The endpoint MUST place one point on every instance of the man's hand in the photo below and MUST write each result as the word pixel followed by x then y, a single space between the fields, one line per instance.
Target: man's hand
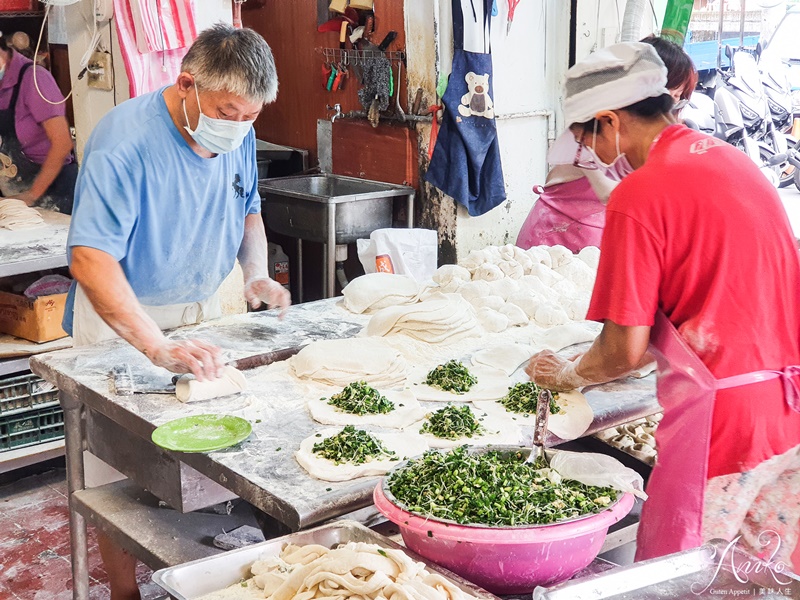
pixel 268 291
pixel 200 358
pixel 554 372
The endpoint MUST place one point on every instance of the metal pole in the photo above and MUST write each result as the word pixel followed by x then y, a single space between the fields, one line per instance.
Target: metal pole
pixel 330 254
pixel 299 270
pixel 73 434
pixel 719 33
pixel 741 24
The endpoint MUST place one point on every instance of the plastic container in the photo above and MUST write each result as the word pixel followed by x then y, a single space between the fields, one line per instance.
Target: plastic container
pixel 21 393
pixel 506 560
pixel 32 427
pixel 278 264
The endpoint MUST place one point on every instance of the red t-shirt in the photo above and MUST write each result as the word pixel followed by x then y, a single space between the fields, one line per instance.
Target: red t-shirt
pixel 700 233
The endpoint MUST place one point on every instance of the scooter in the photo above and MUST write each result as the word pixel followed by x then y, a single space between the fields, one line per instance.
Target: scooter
pixel 775 79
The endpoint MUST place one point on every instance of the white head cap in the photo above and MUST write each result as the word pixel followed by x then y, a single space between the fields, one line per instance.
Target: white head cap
pixel 609 79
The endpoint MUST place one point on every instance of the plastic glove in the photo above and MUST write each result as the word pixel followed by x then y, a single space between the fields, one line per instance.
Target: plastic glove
pixel 269 291
pixel 200 358
pixel 555 373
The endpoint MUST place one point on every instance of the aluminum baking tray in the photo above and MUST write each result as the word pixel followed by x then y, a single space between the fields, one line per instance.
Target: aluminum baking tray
pixel 716 569
pixel 194 579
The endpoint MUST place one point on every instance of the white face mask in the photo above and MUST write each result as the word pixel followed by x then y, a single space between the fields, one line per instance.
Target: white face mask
pixel 616 170
pixel 217 135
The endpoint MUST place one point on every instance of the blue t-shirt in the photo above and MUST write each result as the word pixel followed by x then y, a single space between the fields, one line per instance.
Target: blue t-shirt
pixel 173 220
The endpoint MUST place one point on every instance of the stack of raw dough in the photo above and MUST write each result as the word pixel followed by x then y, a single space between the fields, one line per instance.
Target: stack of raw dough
pixel 375 291
pixel 341 362
pixel 441 318
pixel 15 214
pixel 353 570
pixel 508 286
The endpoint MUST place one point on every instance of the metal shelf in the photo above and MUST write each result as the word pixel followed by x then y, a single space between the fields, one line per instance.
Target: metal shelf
pixel 30 455
pixel 13 365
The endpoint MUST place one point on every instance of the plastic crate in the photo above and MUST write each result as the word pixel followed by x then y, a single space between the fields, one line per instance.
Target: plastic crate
pixel 22 393
pixel 32 427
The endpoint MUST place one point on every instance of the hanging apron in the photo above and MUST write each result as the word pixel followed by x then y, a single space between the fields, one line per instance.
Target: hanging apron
pixel 89 328
pixel 569 214
pixel 466 160
pixel 17 171
pixel 672 516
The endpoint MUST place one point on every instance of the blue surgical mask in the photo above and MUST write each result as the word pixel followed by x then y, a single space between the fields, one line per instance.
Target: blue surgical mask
pixel 217 135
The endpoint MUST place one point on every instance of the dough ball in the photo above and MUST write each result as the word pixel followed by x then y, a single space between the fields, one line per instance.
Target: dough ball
pixel 491 254
pixel 511 268
pixel 488 272
pixel 451 287
pixel 447 273
pixel 474 260
pixel 576 308
pixel 492 320
pixel 579 273
pixel 550 315
pixel 493 302
pixel 591 256
pixel 516 316
pixel 560 255
pixel 540 255
pixel 507 252
pixel 527 301
pixel 547 275
pixel 534 284
pixel 475 289
pixel 504 287
pixel 565 288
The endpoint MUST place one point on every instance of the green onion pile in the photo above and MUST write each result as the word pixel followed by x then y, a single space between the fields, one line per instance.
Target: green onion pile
pixel 453 423
pixel 451 377
pixel 354 446
pixel 494 489
pixel 358 398
pixel 522 398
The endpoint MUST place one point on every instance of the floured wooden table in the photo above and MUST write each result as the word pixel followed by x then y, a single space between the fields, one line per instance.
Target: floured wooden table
pixel 262 469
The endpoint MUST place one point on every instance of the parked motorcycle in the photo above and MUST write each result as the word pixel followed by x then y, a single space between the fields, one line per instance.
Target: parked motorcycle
pixel 775 79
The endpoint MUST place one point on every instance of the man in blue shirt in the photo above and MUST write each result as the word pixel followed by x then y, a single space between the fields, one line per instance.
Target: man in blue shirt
pixel 165 202
pixel 167 199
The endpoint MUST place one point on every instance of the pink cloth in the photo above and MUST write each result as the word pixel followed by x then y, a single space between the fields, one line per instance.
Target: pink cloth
pixel 153 38
pixel 32 111
pixel 569 214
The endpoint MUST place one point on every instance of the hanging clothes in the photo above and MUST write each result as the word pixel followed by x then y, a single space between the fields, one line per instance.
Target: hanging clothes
pixel 153 37
pixel 466 160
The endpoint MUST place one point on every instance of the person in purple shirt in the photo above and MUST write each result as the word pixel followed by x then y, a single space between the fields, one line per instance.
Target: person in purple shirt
pixel 37 164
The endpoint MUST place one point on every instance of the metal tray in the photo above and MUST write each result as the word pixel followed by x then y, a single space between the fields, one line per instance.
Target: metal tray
pixel 197 578
pixel 704 572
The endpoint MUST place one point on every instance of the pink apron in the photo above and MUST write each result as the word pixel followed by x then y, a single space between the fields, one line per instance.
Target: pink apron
pixel 569 214
pixel 672 516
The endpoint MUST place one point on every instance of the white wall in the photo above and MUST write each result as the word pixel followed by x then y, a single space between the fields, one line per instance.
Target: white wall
pixel 529 66
pixel 599 23
pixel 90 104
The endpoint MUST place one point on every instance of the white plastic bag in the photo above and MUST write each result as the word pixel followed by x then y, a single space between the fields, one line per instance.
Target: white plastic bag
pixel 411 252
pixel 597 469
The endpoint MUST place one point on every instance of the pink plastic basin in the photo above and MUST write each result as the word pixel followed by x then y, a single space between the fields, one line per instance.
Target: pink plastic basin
pixel 507 560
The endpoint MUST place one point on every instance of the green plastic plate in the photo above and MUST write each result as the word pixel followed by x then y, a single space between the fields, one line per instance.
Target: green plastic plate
pixel 202 433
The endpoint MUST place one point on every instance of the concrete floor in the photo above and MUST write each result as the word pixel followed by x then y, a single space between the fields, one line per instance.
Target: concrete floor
pixel 34 544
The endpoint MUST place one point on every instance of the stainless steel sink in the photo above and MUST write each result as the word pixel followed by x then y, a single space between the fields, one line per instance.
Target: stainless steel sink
pixel 331 209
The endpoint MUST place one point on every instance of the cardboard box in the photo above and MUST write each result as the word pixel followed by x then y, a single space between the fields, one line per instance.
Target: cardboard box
pixel 35 320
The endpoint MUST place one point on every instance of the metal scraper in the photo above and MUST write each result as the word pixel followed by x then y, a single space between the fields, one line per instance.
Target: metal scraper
pixel 127 383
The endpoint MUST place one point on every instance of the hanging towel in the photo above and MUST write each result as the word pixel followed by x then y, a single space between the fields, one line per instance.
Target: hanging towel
pixel 155 67
pixel 162 24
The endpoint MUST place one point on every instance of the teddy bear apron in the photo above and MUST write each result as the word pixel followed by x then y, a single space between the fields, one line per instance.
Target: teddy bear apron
pixel 466 159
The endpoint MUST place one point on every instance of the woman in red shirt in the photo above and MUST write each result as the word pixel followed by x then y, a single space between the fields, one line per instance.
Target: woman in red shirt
pixel 697 262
